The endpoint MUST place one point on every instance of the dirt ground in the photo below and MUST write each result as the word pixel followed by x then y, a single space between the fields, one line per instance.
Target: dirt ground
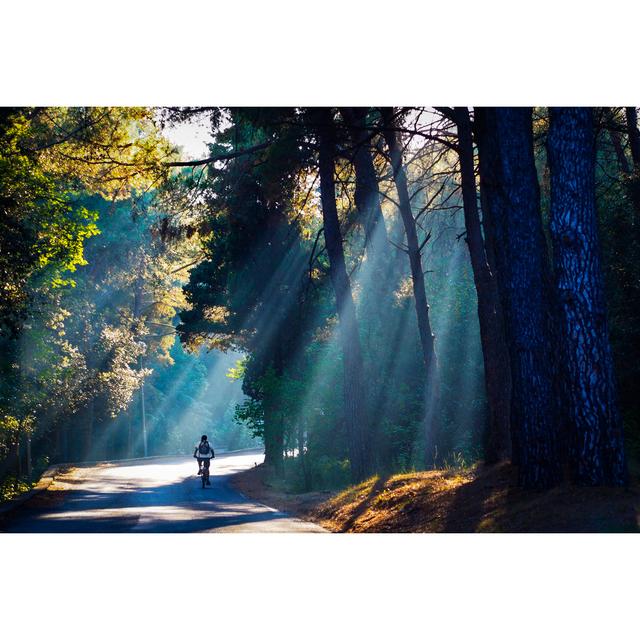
pixel 475 500
pixel 254 484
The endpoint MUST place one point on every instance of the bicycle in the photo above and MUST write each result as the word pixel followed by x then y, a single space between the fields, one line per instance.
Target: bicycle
pixel 205 473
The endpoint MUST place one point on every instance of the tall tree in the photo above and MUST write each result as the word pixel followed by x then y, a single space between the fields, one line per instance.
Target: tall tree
pixel 634 136
pixel 512 200
pixel 414 251
pixel 355 409
pixel 597 447
pixel 494 347
pixel 244 295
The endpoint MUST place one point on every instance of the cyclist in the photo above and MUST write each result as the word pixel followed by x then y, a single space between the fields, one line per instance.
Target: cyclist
pixel 204 453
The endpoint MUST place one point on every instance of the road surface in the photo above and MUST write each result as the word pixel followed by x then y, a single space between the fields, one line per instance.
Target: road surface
pixel 159 495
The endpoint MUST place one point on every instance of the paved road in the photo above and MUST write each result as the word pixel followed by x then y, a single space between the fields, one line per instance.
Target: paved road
pixel 161 495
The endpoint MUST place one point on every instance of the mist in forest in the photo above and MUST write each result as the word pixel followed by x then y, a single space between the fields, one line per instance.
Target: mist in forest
pixel 346 287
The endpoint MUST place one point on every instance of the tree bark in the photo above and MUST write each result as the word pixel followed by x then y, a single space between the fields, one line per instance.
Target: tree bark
pixel 355 409
pixel 494 347
pixel 511 197
pixel 597 450
pixel 427 339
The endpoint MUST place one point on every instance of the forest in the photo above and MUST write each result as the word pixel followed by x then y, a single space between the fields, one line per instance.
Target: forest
pixel 362 290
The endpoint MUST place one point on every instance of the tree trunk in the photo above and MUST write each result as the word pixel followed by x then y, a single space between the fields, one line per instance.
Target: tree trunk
pixel 355 410
pixel 494 348
pixel 633 182
pixel 138 293
pixel 378 274
pixel 427 339
pixel 88 454
pixel 489 235
pixel 18 459
pixel 274 423
pixel 634 136
pixel 58 440
pixel 29 457
pixel 616 141
pixel 598 447
pixel 130 452
pixel 511 197
pixel 65 439
pixel 273 440
pixel 143 414
pixel 367 197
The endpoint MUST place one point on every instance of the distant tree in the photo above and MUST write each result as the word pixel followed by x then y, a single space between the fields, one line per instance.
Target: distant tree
pixel 494 349
pixel 414 252
pixel 355 408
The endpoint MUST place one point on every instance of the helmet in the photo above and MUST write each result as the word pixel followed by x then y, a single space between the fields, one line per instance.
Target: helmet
pixel 203 438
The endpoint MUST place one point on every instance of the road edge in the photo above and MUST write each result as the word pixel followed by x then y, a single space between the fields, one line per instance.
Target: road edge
pixel 277 501
pixel 42 485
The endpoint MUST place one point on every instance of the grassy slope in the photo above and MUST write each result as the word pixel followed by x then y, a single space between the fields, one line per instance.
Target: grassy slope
pixel 475 500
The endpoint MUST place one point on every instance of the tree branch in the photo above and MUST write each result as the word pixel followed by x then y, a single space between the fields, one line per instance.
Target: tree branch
pixel 219 158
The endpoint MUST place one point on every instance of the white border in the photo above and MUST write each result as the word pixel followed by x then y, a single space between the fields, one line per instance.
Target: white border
pixel 299 586
pixel 325 52
pixel 275 52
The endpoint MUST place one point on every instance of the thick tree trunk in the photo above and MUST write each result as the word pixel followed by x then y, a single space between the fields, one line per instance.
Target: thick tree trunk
pixel 269 457
pixel 427 339
pixel 355 409
pixel 511 197
pixel 489 235
pixel 494 348
pixel 597 450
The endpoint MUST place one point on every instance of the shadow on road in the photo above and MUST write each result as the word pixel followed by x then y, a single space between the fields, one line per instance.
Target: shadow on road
pixel 113 500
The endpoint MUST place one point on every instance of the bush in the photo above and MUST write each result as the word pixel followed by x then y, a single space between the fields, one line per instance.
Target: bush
pixel 329 473
pixel 12 487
